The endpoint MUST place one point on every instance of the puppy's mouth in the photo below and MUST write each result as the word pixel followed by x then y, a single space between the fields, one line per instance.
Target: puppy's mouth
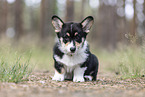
pixel 70 54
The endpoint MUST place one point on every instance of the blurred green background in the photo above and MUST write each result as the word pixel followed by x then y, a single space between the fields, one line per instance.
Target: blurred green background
pixel 117 36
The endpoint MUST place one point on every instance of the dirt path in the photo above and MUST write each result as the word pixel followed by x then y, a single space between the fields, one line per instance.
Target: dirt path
pixel 41 85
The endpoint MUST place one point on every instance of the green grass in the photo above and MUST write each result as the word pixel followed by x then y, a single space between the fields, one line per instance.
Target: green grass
pixel 15 64
pixel 127 61
pixel 130 61
pixel 16 72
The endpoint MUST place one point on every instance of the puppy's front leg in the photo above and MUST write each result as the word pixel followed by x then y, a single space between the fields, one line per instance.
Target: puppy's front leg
pixel 79 74
pixel 59 72
pixel 58 77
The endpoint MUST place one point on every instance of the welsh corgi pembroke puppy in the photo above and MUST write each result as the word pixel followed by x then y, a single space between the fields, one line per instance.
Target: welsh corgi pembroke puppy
pixel 72 57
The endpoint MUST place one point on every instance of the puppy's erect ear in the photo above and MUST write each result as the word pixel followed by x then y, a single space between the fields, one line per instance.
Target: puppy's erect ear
pixel 57 23
pixel 87 23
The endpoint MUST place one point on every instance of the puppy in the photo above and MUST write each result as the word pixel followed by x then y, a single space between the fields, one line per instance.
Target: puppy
pixel 72 57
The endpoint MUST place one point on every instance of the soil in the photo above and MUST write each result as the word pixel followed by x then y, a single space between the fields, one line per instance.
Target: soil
pixel 107 85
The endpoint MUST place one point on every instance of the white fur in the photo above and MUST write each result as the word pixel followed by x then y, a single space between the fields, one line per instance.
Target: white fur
pixel 79 57
pixel 69 69
pixel 72 63
pixel 88 77
pixel 69 46
pixel 79 74
pixel 58 77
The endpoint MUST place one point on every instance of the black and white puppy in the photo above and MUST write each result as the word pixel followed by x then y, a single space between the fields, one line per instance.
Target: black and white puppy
pixel 72 58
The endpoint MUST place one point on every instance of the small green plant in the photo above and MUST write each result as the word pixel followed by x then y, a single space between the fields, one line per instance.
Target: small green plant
pixel 131 62
pixel 15 72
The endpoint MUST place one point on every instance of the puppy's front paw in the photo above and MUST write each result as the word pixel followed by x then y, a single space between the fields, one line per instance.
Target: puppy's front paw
pixel 58 77
pixel 78 79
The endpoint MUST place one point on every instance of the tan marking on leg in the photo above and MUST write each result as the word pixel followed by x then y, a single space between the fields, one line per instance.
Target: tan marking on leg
pixel 62 71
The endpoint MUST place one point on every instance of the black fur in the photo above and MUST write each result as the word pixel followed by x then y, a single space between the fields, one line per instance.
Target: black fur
pixel 56 50
pixel 92 66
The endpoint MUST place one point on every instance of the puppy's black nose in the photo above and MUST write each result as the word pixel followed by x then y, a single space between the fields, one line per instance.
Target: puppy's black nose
pixel 72 49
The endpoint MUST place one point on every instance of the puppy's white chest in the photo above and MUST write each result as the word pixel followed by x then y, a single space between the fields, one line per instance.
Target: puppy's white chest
pixel 71 61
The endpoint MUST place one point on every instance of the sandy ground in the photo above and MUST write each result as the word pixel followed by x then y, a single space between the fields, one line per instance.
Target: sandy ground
pixel 107 85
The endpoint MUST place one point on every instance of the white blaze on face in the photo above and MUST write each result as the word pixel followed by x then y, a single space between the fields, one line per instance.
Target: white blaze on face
pixel 70 45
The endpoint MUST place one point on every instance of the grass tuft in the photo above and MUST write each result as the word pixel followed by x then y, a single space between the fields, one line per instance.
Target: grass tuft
pixel 131 62
pixel 16 72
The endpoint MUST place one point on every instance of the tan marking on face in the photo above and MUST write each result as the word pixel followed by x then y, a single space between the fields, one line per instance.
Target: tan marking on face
pixel 77 44
pixel 67 34
pixel 67 43
pixel 76 33
pixel 61 39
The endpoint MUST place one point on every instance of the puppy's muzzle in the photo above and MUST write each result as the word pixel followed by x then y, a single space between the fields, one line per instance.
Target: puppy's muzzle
pixel 73 49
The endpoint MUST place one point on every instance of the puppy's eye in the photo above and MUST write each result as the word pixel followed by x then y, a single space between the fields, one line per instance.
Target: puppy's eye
pixel 66 39
pixel 77 37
